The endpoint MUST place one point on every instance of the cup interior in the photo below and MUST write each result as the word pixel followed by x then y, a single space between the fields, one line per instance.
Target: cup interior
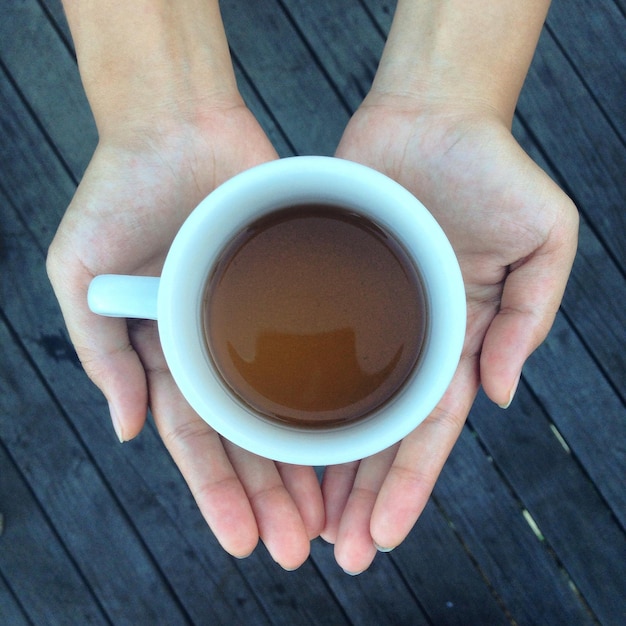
pixel 262 190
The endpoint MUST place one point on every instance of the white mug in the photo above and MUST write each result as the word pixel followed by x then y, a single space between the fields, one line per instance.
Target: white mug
pixel 175 300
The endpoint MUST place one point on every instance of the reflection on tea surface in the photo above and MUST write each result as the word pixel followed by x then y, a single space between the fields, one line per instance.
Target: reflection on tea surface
pixel 307 374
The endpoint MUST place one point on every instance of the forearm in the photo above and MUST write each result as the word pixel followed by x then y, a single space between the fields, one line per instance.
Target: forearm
pixel 475 51
pixel 148 56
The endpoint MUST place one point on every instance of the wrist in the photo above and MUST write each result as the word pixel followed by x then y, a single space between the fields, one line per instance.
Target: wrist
pixel 457 54
pixel 148 61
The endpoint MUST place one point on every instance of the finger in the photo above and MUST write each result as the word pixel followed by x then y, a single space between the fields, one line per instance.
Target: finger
pixel 280 525
pixel 530 300
pixel 420 459
pixel 198 452
pixel 116 369
pixel 103 347
pixel 303 486
pixel 336 486
pixel 354 548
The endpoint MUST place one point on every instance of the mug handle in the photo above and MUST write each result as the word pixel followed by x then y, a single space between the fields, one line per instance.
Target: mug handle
pixel 115 295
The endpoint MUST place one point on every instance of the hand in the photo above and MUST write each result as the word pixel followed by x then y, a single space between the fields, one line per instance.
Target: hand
pixel 515 233
pixel 137 191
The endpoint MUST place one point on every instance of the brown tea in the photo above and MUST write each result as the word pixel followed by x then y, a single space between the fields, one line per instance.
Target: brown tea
pixel 314 316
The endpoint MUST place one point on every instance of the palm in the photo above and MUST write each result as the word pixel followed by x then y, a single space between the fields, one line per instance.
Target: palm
pixel 123 218
pixel 133 200
pixel 514 233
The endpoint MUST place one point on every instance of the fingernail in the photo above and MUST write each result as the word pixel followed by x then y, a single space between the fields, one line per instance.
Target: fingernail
pixel 116 423
pixel 512 394
pixel 345 571
pixel 381 549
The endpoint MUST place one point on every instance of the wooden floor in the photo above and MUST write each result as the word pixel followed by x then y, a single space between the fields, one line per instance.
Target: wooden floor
pixel 526 525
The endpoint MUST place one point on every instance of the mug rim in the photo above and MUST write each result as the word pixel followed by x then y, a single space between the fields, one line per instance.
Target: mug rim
pixel 264 189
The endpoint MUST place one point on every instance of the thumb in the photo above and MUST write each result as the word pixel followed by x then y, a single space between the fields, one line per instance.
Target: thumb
pixel 112 363
pixel 103 346
pixel 530 300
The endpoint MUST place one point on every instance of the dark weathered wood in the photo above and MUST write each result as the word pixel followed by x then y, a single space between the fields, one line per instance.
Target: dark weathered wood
pixel 289 81
pixel 45 74
pixel 378 596
pixel 10 610
pixel 348 49
pixel 591 302
pixel 589 416
pixel 43 577
pixel 382 12
pixel 572 518
pixel 582 35
pixel 488 516
pixel 392 601
pixel 552 465
pixel 583 149
pixel 66 483
pixel 445 580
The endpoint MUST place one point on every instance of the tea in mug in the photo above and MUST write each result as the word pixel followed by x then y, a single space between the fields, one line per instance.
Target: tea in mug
pixel 314 316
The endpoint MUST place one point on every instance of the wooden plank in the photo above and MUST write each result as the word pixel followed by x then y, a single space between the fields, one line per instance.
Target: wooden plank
pixel 42 66
pixel 570 515
pixel 382 12
pixel 446 581
pixel 590 301
pixel 299 597
pixel 487 515
pixel 293 87
pixel 582 147
pixel 377 596
pixel 20 146
pixel 347 49
pixel 589 416
pixel 583 34
pixel 10 611
pixel 69 488
pixel 277 137
pixel 445 584
pixel 56 16
pixel 593 304
pixel 43 577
